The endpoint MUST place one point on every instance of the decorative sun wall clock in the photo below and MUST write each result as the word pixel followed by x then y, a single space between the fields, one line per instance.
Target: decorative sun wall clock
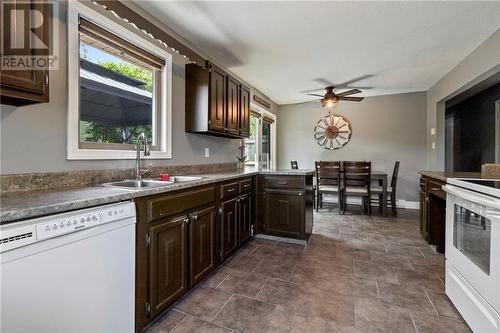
pixel 332 131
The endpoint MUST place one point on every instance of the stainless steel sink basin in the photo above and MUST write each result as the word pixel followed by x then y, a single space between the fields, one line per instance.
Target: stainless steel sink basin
pixel 182 179
pixel 137 184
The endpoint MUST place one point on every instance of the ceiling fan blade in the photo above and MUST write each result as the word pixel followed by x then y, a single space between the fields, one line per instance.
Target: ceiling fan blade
pixel 316 95
pixel 359 78
pixel 353 99
pixel 323 82
pixel 349 92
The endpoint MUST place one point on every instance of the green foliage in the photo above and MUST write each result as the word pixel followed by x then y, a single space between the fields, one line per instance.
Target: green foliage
pixel 132 71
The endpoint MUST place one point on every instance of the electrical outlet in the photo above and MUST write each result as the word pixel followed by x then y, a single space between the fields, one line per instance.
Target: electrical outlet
pixel 207 152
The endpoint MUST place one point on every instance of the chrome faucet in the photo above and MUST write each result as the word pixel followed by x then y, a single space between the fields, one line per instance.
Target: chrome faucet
pixel 142 137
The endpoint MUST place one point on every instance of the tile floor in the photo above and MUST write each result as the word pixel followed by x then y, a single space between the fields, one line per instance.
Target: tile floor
pixel 357 274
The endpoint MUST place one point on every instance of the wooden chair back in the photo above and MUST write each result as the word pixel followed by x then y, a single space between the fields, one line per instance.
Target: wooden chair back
pixel 357 173
pixel 328 172
pixel 295 165
pixel 395 176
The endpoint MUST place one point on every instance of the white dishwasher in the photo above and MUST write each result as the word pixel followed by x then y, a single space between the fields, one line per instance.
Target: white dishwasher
pixel 70 272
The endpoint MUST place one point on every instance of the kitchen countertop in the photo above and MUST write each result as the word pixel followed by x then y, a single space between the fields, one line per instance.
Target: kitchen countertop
pixel 30 204
pixel 444 175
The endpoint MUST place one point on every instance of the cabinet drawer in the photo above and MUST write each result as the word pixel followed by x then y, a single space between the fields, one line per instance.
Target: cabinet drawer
pixel 246 185
pixel 436 189
pixel 176 203
pixel 228 190
pixel 283 182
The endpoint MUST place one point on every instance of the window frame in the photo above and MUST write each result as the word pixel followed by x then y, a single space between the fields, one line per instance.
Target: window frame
pixel 162 119
pixel 257 109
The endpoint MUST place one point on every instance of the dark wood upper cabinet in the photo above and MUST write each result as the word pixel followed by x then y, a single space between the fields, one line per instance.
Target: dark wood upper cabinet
pixel 202 244
pixel 217 98
pixel 245 218
pixel 167 262
pixel 214 104
pixel 22 87
pixel 244 111
pixel 229 228
pixel 233 107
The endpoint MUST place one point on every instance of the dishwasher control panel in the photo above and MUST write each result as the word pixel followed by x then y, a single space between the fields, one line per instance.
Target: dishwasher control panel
pixel 26 232
pixel 75 222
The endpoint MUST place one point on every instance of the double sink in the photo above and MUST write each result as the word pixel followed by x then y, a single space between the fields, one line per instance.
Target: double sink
pixel 137 184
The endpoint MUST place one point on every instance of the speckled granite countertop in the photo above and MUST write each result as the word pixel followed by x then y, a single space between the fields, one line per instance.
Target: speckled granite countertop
pixel 23 205
pixel 443 175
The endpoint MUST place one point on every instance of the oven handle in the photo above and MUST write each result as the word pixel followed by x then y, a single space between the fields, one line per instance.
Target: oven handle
pixel 477 198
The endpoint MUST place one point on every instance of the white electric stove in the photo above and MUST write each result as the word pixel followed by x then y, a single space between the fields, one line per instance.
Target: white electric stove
pixel 473 251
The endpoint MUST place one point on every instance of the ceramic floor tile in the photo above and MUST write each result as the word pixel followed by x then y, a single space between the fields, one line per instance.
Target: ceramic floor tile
pixel 284 320
pixel 281 292
pixel 242 283
pixel 191 324
pixel 279 269
pixel 245 315
pixel 243 262
pixel 376 317
pixel 443 305
pixel 375 272
pixel 217 277
pixel 203 302
pixel 414 299
pixel 167 322
pixel 426 323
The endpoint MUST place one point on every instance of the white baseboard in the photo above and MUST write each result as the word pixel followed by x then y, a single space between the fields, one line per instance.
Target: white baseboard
pixel 281 239
pixel 400 203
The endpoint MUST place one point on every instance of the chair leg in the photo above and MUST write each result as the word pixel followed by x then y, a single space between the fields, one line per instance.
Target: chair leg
pixel 369 206
pixel 380 201
pixel 317 200
pixel 393 204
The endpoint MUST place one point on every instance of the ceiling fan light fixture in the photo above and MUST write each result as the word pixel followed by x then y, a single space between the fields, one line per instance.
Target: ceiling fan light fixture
pixel 330 101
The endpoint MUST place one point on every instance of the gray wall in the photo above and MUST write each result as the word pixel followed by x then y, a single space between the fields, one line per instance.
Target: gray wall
pixel 483 62
pixel 33 138
pixel 384 129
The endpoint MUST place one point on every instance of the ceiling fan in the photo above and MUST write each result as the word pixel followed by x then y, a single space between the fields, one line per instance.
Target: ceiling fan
pixel 331 99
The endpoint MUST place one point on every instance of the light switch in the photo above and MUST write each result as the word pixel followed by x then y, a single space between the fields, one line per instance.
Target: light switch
pixel 433 145
pixel 207 152
pixel 433 131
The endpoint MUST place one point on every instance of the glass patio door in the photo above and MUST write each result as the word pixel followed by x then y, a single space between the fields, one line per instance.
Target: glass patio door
pixel 266 144
pixel 259 146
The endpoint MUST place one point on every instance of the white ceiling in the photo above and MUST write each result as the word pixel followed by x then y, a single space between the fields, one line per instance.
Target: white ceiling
pixel 285 48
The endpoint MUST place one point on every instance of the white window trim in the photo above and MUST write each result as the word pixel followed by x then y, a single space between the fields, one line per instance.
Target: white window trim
pixel 263 112
pixel 76 9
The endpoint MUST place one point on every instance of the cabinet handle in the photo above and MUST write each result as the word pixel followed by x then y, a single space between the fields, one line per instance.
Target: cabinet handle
pixel 246 185
pixel 195 217
pixel 186 220
pixel 300 194
pixel 231 190
pixel 282 183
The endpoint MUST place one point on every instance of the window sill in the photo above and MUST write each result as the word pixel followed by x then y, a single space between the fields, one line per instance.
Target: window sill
pixel 99 154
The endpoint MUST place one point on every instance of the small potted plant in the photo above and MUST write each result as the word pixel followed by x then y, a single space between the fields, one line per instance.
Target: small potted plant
pixel 241 157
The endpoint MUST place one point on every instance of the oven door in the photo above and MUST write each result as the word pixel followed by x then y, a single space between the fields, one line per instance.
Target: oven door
pixel 473 240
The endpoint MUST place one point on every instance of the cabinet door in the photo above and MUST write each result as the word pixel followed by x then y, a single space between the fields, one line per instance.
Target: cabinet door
pixel 167 263
pixel 217 116
pixel 283 212
pixel 229 228
pixel 21 87
pixel 233 107
pixel 245 217
pixel 202 244
pixel 245 111
pixel 423 215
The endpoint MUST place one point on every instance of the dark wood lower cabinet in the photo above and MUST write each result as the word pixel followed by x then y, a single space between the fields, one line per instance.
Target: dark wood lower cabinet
pixel 182 237
pixel 283 212
pixel 229 228
pixel 202 241
pixel 167 262
pixel 245 218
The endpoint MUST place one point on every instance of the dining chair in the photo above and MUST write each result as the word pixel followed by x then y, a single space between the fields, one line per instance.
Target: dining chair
pixel 357 178
pixel 294 164
pixel 391 190
pixel 328 181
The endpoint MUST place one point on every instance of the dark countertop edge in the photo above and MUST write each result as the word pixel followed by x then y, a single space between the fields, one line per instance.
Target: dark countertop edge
pixel 117 195
pixel 444 175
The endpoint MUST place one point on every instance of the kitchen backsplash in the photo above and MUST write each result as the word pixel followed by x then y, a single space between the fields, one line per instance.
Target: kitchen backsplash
pixel 43 181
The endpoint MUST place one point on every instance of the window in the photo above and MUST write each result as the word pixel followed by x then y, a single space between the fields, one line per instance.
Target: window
pixel 120 91
pixel 251 142
pixel 261 145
